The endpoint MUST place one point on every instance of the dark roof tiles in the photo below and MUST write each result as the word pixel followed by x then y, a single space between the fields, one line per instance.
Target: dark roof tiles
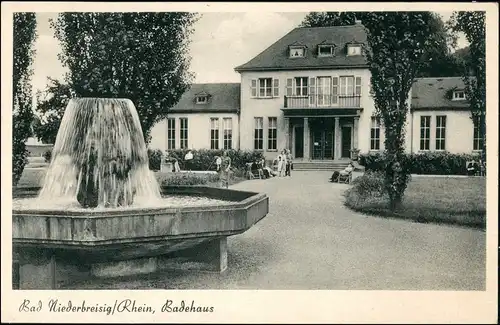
pixel 276 56
pixel 223 97
pixel 431 93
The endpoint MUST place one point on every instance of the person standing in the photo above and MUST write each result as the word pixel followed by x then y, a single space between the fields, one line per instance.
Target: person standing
pixel 280 163
pixel 188 158
pixel 288 171
pixel 218 162
pixel 224 169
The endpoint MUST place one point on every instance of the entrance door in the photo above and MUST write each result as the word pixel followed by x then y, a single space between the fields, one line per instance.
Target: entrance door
pixel 346 142
pixel 322 142
pixel 299 142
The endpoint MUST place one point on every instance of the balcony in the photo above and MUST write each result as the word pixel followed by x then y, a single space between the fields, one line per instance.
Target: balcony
pixel 323 101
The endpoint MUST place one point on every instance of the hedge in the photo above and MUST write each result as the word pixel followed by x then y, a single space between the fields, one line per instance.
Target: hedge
pixel 429 163
pixel 204 159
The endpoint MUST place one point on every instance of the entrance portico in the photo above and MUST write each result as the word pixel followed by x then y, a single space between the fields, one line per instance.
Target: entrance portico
pixel 329 136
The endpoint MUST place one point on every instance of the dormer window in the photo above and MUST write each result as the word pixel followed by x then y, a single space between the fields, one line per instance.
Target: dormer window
pixel 326 50
pixel 203 99
pixel 458 95
pixel 297 51
pixel 354 49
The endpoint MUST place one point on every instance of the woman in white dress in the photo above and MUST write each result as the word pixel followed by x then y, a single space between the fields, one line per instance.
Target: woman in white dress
pixel 280 163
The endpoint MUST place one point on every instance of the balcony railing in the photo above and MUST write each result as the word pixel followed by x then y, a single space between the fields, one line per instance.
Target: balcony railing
pixel 316 101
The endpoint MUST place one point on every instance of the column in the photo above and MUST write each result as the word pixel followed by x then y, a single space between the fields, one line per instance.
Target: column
pixel 287 132
pixel 355 135
pixel 338 149
pixel 306 138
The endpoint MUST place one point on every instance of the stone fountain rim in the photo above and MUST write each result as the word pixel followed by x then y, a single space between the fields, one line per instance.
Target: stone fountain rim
pixel 102 213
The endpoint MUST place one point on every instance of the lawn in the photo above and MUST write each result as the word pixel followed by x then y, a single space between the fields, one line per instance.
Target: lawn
pixel 460 201
pixel 35 177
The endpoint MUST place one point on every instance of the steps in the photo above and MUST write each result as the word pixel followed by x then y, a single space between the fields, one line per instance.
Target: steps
pixel 328 165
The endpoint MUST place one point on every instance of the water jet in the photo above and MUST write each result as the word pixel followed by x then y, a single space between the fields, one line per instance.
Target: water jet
pixel 101 212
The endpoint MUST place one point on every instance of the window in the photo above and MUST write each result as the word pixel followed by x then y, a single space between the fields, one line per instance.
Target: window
pixel 258 135
pixel 301 86
pixel 324 90
pixel 354 50
pixel 201 99
pixel 184 133
pixel 325 50
pixel 478 135
pixel 425 132
pixel 214 133
pixel 272 132
pixel 375 134
pixel 265 88
pixel 459 95
pixel 440 132
pixel 171 133
pixel 228 133
pixel 346 86
pixel 297 52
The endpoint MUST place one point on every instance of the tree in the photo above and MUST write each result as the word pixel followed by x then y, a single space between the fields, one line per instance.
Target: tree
pixel 51 104
pixel 396 46
pixel 472 24
pixel 332 18
pixel 139 56
pixel 438 59
pixel 24 28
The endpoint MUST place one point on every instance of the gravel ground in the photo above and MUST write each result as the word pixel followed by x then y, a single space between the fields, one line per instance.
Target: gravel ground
pixel 309 240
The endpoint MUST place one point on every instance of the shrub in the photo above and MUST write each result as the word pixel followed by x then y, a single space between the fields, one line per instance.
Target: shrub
pixel 155 157
pixel 186 179
pixel 429 163
pixel 369 184
pixel 204 159
pixel 19 160
pixel 47 155
pixel 364 188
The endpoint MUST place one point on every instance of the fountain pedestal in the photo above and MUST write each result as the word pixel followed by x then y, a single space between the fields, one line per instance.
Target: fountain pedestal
pixel 53 248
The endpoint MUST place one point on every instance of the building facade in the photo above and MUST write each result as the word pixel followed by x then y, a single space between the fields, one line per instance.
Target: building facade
pixel 309 92
pixel 314 84
pixel 206 117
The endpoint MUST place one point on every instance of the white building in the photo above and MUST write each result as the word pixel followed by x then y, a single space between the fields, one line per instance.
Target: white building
pixel 310 92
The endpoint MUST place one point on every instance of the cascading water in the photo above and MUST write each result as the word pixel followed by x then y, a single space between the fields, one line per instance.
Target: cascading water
pixel 99 157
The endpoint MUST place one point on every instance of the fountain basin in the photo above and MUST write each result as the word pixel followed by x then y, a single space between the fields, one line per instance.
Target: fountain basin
pixel 51 247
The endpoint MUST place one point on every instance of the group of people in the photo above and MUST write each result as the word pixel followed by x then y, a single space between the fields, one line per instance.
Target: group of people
pixel 285 163
pixel 474 168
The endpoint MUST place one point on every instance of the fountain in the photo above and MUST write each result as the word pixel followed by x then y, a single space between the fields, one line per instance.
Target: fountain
pixel 101 212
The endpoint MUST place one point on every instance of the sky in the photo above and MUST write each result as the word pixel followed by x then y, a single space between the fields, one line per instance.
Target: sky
pixel 221 41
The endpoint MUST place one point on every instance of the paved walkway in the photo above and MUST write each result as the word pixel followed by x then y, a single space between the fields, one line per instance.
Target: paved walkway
pixel 309 240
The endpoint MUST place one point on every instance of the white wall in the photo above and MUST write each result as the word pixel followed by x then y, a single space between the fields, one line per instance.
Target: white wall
pixel 271 107
pixel 459 131
pixel 198 130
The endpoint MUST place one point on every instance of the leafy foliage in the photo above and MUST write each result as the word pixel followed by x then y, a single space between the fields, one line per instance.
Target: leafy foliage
pixel 472 24
pixel 51 105
pixel 139 56
pixel 370 184
pixel 155 157
pixel 24 35
pixel 204 159
pixel 396 51
pixel 429 163
pixel 438 60
pixel 187 179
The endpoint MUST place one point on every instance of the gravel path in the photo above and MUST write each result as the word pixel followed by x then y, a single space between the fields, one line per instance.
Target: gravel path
pixel 309 240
